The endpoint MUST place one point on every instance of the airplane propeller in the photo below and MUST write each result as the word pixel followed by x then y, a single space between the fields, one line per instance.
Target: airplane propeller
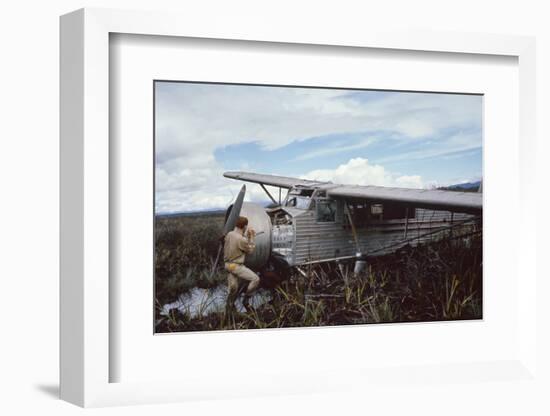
pixel 229 224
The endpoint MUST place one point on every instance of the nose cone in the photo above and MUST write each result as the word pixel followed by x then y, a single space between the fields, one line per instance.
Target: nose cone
pixel 261 223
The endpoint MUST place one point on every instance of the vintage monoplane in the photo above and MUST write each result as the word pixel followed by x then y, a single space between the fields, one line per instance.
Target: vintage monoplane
pixel 319 222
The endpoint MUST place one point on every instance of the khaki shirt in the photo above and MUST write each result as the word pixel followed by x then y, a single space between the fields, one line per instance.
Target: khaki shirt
pixel 237 246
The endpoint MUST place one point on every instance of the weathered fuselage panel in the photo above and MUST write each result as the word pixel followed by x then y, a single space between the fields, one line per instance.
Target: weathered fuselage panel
pixel 305 240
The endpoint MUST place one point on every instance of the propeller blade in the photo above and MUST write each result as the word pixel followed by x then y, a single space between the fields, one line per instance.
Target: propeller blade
pixel 229 225
pixel 235 211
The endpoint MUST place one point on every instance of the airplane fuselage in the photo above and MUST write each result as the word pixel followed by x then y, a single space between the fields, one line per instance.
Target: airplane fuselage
pixel 309 227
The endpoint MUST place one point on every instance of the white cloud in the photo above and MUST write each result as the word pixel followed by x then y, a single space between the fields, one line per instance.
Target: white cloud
pixel 456 143
pixel 205 191
pixel 213 191
pixel 193 120
pixel 198 117
pixel 359 171
pixel 409 181
pixel 336 148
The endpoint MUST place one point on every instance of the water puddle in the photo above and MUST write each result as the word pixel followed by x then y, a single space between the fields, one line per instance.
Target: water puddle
pixel 199 302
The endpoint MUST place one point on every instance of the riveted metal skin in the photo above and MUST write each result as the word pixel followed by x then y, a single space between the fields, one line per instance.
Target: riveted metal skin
pixel 261 223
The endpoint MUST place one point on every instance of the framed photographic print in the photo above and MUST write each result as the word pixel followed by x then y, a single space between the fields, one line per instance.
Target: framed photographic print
pixel 371 211
pixel 279 193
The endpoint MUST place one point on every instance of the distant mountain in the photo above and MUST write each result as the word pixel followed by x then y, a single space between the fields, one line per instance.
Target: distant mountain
pixel 192 213
pixel 218 211
pixel 465 187
pixel 461 187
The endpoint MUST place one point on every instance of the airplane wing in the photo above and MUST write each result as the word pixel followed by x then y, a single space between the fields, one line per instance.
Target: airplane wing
pixel 470 202
pixel 273 180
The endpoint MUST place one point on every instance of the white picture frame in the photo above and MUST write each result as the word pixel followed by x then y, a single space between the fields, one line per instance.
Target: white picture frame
pixel 85 217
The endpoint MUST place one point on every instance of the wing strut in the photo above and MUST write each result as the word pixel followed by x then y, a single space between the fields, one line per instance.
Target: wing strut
pixel 353 230
pixel 269 195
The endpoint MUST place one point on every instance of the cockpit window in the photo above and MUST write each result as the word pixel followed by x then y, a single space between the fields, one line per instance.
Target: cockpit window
pixel 299 202
pixel 301 191
pixel 299 198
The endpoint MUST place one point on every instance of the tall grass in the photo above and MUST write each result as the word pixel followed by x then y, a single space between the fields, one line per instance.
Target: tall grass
pixel 185 248
pixel 438 281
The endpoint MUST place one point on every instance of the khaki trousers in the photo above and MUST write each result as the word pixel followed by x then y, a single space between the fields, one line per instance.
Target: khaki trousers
pixel 239 271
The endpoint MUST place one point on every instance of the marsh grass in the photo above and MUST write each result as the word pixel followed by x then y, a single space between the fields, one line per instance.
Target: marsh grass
pixel 433 282
pixel 184 251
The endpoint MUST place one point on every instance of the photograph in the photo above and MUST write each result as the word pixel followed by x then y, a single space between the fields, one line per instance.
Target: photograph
pixel 279 206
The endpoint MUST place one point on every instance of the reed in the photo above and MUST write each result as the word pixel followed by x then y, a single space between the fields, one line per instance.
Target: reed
pixel 433 282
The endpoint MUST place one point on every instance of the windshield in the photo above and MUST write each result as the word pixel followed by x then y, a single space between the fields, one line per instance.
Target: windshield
pixel 300 202
pixel 299 198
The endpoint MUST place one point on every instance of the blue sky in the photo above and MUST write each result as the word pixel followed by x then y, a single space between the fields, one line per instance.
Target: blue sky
pixel 417 140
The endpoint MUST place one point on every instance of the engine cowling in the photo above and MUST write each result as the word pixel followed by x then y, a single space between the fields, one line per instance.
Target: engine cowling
pixel 261 223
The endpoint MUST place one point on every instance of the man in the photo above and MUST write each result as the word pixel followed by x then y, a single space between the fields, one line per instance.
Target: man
pixel 239 243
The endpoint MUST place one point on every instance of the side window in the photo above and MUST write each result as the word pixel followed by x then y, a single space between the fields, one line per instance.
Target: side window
pixel 359 213
pixel 377 209
pixel 326 210
pixel 376 212
pixel 390 211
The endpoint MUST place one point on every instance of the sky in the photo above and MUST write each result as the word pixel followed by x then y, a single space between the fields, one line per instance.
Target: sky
pixel 363 137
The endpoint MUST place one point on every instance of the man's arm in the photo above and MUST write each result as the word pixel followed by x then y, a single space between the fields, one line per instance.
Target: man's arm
pixel 247 244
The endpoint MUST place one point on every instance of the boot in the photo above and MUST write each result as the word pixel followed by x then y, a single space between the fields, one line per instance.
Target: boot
pixel 246 303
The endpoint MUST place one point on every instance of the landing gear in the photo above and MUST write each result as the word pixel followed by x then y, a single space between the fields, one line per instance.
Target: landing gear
pixel 360 264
